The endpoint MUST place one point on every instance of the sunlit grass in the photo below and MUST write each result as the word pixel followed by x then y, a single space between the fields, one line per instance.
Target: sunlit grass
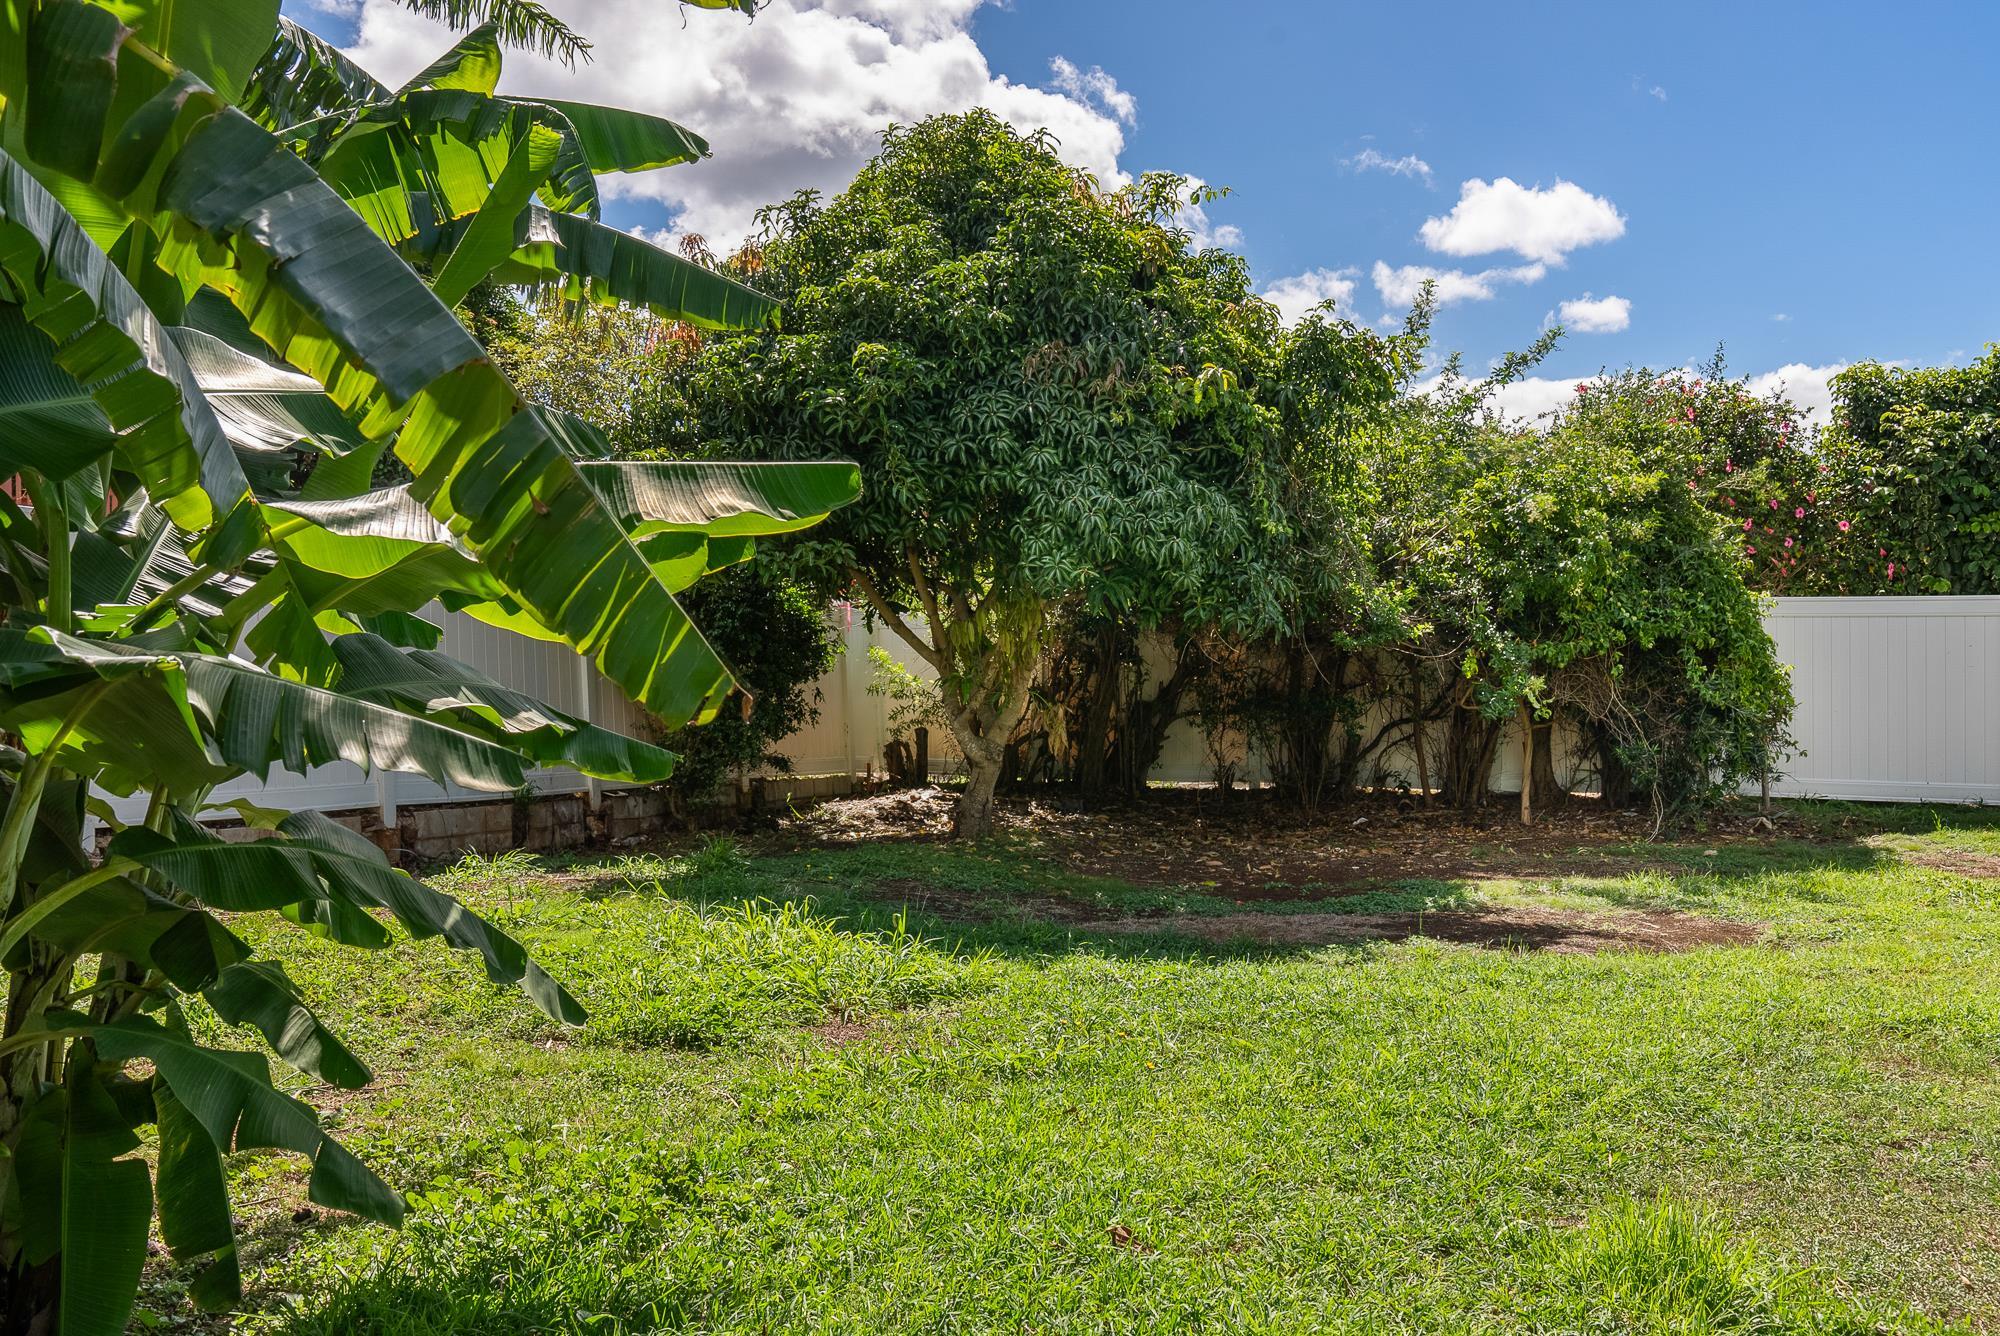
pixel 887 1089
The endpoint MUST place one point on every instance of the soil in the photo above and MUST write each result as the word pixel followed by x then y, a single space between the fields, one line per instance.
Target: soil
pixel 839 1032
pixel 897 814
pixel 1249 848
pixel 1516 928
pixel 1248 859
pixel 1958 862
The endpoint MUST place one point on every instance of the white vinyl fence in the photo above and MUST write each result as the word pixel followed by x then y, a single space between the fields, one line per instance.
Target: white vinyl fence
pixel 1896 703
pixel 1898 698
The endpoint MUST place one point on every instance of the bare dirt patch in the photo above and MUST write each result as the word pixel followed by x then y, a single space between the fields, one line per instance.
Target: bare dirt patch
pixel 897 814
pixel 1958 862
pixel 1254 850
pixel 1502 927
pixel 839 1032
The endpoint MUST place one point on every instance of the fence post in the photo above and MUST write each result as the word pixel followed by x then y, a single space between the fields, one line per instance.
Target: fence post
pixel 847 698
pixel 585 685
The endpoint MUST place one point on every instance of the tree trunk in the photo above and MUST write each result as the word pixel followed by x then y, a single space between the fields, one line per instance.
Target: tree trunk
pixel 1093 747
pixel 982 728
pixel 1142 733
pixel 1527 766
pixel 1469 742
pixel 1421 747
pixel 1549 795
pixel 1614 781
pixel 974 818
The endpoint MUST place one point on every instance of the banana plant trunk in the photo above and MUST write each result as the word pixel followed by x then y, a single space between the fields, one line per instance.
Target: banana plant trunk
pixel 30 1304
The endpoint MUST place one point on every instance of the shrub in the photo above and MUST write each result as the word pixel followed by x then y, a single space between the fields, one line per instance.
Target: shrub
pixel 775 636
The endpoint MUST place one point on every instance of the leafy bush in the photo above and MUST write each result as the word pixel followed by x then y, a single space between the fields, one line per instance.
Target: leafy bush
pixel 1922 447
pixel 776 638
pixel 1571 572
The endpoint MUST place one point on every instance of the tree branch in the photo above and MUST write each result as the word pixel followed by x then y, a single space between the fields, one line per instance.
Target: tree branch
pixel 895 621
pixel 938 637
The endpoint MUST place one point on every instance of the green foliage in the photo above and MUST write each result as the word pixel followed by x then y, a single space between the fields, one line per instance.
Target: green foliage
pixel 1056 395
pixel 610 368
pixel 1922 447
pixel 599 364
pixel 1575 568
pixel 1893 496
pixel 914 701
pixel 776 639
pixel 1619 584
pixel 1790 495
pixel 1054 401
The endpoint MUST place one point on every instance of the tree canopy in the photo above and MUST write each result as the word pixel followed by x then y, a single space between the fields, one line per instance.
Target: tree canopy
pixel 1059 405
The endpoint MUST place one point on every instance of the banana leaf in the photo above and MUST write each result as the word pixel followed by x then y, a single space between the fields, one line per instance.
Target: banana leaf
pixel 238 212
pixel 231 1096
pixel 133 718
pixel 109 343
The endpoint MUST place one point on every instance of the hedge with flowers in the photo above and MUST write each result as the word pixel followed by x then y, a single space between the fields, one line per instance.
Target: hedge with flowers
pixel 1917 454
pixel 1899 493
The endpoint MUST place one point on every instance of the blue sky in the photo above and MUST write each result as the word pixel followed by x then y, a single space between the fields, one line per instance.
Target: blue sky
pixel 1807 184
pixel 1834 164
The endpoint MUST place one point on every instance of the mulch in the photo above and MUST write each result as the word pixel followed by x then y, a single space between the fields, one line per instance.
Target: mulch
pixel 1250 848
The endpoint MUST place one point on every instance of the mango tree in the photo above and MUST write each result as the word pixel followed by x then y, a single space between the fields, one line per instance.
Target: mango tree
pixel 1058 405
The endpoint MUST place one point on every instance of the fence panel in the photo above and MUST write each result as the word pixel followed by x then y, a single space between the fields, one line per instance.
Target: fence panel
pixel 1894 697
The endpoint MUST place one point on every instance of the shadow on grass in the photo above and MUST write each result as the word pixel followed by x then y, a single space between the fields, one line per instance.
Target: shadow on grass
pixel 1010 898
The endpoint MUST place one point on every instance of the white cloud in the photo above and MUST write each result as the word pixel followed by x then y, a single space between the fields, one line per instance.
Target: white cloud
pixel 1781 317
pixel 1368 160
pixel 1534 397
pixel 1536 224
pixel 1095 88
pixel 1806 386
pixel 1599 315
pixel 1400 284
pixel 1658 92
pixel 1296 296
pixel 1526 400
pixel 798 98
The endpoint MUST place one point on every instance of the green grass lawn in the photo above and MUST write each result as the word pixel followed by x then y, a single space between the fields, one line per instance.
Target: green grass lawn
pixel 800 1107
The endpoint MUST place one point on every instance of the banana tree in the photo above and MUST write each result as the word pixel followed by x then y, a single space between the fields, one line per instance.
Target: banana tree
pixel 196 583
pixel 526 24
pixel 471 184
